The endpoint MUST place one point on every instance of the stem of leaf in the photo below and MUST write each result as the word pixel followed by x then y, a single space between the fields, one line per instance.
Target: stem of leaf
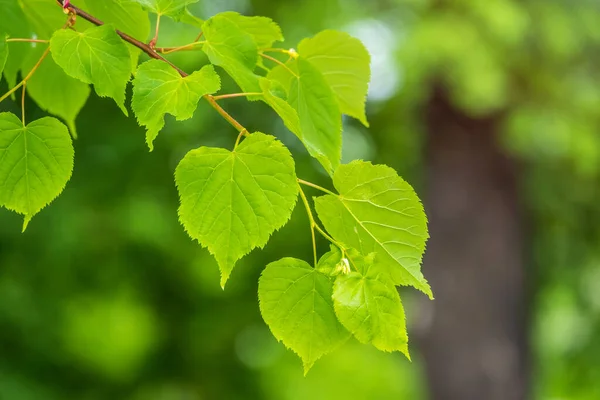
pixel 276 61
pixel 23 103
pixel 155 38
pixel 311 220
pixel 189 46
pixel 239 138
pixel 312 185
pixel 28 77
pixel 233 95
pixel 27 40
pixel 211 100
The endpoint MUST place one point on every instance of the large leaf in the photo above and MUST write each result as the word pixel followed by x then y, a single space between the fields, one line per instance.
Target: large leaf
pixel 158 90
pixel 263 30
pixel 319 114
pixel 36 163
pixel 368 304
pixel 295 301
pixel 273 98
pixel 231 202
pixel 97 56
pixel 172 8
pixel 234 50
pixel 44 17
pixel 345 63
pixel 377 211
pixel 47 88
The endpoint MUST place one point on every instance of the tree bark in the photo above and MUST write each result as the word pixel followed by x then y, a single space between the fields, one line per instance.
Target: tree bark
pixel 474 336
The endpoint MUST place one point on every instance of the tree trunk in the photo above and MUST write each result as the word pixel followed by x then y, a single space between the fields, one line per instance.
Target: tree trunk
pixel 474 338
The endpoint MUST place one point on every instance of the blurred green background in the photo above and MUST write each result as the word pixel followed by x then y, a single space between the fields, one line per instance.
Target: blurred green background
pixel 490 108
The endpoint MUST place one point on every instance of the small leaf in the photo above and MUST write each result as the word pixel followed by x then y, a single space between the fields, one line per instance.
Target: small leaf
pixel 172 8
pixel 233 50
pixel 345 63
pixel 295 301
pixel 377 211
pixel 319 114
pixel 158 90
pixel 55 91
pixel 368 304
pixel 231 202
pixel 3 52
pixel 97 56
pixel 36 163
pixel 188 18
pixel 329 262
pixel 263 30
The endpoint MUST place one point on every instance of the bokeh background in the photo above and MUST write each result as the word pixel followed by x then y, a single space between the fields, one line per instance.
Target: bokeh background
pixel 490 108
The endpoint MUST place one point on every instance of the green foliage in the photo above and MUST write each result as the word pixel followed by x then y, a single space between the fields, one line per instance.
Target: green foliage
pixel 368 305
pixel 36 161
pixel 295 301
pixel 377 211
pixel 158 90
pixel 97 56
pixel 3 53
pixel 231 201
pixel 344 62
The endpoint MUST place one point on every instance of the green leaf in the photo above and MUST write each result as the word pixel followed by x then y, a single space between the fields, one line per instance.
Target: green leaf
pixel 15 24
pixel 45 17
pixel 295 301
pixel 263 30
pixel 126 16
pixel 231 202
pixel 319 114
pixel 377 211
pixel 345 63
pixel 158 90
pixel 172 8
pixel 3 52
pixel 36 163
pixel 189 18
pixel 329 263
pixel 233 50
pixel 55 91
pixel 97 56
pixel 368 304
pixel 271 96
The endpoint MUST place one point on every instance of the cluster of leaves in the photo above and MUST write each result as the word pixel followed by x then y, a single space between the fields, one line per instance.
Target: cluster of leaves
pixel 231 201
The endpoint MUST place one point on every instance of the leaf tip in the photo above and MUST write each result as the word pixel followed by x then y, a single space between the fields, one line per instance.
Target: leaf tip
pixel 26 221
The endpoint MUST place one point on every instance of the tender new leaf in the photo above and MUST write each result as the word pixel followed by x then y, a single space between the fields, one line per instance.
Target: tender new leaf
pixel 368 305
pixel 231 202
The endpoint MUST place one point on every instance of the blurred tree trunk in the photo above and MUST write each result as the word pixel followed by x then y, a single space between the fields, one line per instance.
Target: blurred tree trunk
pixel 474 339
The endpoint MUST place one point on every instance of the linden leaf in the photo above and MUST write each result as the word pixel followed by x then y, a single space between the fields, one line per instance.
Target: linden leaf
pixel 97 56
pixel 232 49
pixel 158 90
pixel 47 88
pixel 295 301
pixel 172 8
pixel 263 30
pixel 329 262
pixel 377 211
pixel 368 304
pixel 345 63
pixel 232 202
pixel 319 114
pixel 36 162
